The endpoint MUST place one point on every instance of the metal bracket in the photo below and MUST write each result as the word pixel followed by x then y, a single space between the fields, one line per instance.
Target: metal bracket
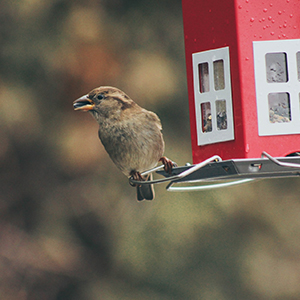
pixel 174 177
pixel 276 161
pixel 171 188
pixel 216 173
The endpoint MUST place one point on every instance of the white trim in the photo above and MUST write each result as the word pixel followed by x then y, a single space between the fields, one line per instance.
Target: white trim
pixel 263 88
pixel 212 95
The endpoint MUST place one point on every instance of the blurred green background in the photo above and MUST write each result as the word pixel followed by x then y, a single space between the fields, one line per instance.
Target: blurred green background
pixel 70 225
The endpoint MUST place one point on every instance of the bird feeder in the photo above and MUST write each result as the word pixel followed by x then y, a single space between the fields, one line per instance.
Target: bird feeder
pixel 243 75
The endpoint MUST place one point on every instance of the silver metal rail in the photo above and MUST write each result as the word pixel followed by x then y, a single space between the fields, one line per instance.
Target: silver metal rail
pixel 215 173
pixel 204 187
pixel 279 163
pixel 175 177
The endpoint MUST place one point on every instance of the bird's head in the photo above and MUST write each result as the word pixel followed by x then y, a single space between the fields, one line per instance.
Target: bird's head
pixel 104 102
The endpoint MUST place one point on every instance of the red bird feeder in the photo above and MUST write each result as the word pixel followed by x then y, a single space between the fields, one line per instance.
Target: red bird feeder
pixel 243 74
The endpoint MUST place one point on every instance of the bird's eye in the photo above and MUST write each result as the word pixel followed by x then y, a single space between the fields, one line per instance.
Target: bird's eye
pixel 100 96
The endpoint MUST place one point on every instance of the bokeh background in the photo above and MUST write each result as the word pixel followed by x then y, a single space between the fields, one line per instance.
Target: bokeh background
pixel 70 225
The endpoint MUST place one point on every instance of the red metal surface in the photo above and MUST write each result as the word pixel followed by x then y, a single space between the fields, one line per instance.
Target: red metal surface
pixel 237 23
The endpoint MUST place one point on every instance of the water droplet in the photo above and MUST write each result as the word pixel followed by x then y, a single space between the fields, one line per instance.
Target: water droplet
pixel 247 148
pixel 287 1
pixel 265 10
pixel 295 27
pixel 284 35
pixel 213 41
pixel 271 4
pixel 291 15
pixel 284 25
pixel 260 36
pixel 264 27
pixel 279 12
pixel 259 20
pixel 252 19
pixel 247 1
pixel 195 40
pixel 270 18
pixel 280 26
pixel 240 6
pixel 273 21
pixel 263 19
pixel 279 36
pixel 246 58
pixel 209 10
pixel 272 32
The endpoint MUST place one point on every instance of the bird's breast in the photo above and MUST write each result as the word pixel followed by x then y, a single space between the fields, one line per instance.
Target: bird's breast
pixel 132 146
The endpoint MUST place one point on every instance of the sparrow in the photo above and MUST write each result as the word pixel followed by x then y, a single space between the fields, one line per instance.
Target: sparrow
pixel 130 134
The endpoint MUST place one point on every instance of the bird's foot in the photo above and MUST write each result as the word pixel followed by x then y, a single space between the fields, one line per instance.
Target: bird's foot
pixel 168 164
pixel 135 175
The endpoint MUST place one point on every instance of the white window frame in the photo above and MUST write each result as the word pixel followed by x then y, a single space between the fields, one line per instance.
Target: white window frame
pixel 264 88
pixel 212 95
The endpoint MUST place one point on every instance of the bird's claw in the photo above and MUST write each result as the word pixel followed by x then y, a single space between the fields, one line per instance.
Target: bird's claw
pixel 168 167
pixel 135 176
pixel 168 164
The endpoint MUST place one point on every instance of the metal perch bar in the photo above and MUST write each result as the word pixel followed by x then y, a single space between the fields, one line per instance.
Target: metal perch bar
pixel 175 177
pixel 233 172
pixel 170 188
pixel 280 163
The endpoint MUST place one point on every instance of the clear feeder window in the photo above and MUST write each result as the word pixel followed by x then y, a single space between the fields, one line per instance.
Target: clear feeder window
pixel 298 64
pixel 219 74
pixel 221 114
pixel 279 107
pixel 276 66
pixel 206 117
pixel 203 77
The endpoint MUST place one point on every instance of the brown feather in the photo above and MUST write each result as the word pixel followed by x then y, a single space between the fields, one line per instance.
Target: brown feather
pixel 130 134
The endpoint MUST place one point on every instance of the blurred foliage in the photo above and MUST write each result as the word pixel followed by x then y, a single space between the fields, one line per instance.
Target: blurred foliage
pixel 70 227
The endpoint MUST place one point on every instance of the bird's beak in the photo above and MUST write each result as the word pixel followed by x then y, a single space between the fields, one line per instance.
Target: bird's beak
pixel 83 103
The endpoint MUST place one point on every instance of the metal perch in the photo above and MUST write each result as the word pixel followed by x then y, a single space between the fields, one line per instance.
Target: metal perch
pixel 216 173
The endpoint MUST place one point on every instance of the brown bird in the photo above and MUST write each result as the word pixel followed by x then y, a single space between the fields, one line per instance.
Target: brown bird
pixel 130 134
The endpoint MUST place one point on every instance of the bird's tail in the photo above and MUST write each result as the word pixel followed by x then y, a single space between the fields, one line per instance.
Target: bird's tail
pixel 146 191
